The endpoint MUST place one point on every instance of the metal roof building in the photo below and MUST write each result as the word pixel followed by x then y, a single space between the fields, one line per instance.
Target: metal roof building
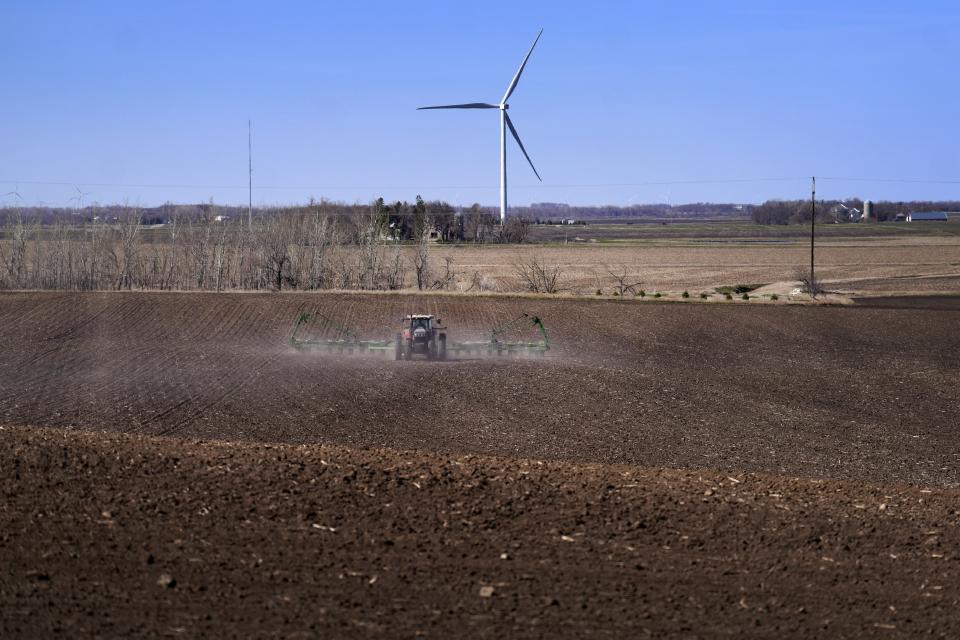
pixel 917 216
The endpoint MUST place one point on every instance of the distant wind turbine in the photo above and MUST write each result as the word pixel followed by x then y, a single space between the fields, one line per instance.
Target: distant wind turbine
pixel 505 124
pixel 79 197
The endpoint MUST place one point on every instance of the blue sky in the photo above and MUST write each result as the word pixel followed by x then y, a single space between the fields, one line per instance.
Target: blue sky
pixel 622 102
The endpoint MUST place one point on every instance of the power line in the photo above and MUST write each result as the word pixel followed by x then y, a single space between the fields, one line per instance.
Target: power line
pixel 892 180
pixel 355 186
pixel 421 187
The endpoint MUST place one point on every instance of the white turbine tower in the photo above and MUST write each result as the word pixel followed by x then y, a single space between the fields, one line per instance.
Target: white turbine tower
pixel 505 124
pixel 79 197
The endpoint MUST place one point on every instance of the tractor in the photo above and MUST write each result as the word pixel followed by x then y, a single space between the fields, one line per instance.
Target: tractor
pixel 422 334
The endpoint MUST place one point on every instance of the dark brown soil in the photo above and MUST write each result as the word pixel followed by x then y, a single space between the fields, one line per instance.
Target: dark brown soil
pixel 119 535
pixel 842 392
pixel 814 456
pixel 925 302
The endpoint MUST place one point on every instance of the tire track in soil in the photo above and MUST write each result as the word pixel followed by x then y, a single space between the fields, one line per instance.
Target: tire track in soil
pixel 72 330
pixel 240 323
pixel 199 326
pixel 37 356
pixel 262 323
pixel 34 374
pixel 211 402
pixel 20 309
pixel 127 361
pixel 31 373
pixel 126 312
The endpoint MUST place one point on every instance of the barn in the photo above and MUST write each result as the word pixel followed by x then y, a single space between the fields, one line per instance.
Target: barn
pixel 928 216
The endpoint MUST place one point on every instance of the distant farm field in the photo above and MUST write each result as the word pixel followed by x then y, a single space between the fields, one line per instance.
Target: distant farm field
pixel 733 229
pixel 875 264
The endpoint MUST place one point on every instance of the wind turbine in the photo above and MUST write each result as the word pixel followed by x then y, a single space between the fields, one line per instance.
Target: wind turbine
pixel 79 197
pixel 505 123
pixel 13 193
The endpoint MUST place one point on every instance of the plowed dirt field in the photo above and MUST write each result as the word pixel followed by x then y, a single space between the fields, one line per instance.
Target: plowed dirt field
pixel 704 470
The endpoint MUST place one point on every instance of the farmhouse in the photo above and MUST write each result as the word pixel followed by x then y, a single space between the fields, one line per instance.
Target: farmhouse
pixel 928 216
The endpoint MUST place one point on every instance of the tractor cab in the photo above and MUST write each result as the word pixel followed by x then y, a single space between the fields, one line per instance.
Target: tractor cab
pixel 420 325
pixel 421 334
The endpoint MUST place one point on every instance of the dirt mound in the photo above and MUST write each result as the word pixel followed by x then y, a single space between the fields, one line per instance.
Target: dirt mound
pixel 120 535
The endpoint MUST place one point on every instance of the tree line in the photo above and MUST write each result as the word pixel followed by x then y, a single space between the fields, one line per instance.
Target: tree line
pixel 321 245
pixel 543 212
pixel 784 212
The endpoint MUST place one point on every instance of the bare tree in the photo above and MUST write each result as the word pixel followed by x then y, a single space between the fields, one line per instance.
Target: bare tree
pixel 166 256
pixel 808 284
pixel 199 243
pixel 623 281
pixel 421 239
pixel 477 224
pixel 515 230
pixel 371 227
pixel 342 272
pixel 220 253
pixel 421 260
pixel 320 235
pixel 277 235
pixel 58 271
pixel 448 278
pixel 394 275
pixel 472 224
pixel 127 247
pixel 91 257
pixel 15 256
pixel 537 276
pixel 246 266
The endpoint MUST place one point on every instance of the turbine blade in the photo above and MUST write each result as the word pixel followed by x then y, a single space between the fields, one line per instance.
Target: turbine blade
pixel 517 138
pixel 469 105
pixel 516 78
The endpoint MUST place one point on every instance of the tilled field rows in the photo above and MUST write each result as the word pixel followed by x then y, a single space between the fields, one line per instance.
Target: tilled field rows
pixel 860 393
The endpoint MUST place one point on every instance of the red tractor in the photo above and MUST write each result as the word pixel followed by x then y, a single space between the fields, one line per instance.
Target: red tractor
pixel 422 334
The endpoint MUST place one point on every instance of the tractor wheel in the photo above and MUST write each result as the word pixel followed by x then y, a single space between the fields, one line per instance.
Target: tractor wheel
pixel 442 354
pixel 432 350
pixel 399 349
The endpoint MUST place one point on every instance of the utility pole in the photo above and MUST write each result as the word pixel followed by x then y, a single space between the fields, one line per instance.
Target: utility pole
pixel 250 177
pixel 813 226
